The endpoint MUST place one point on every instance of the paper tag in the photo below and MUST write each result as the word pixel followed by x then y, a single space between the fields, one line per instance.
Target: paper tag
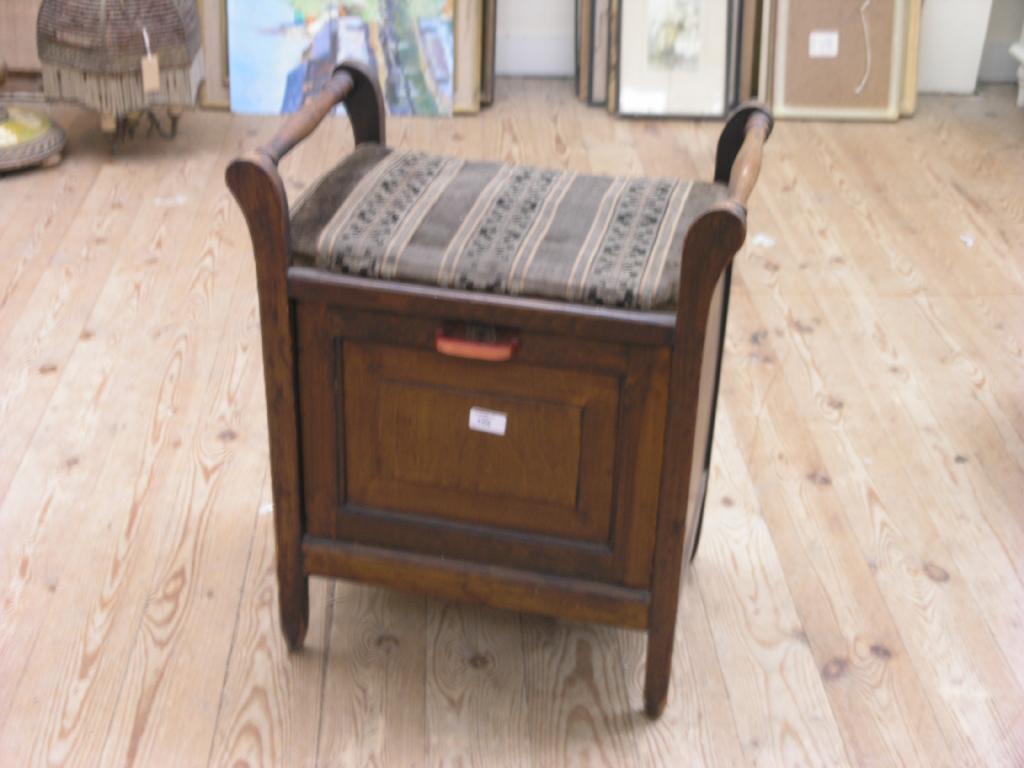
pixel 823 44
pixel 491 422
pixel 150 74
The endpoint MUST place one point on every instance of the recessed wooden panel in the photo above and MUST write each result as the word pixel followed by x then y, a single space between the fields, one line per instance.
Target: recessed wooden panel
pixel 411 447
pixel 541 443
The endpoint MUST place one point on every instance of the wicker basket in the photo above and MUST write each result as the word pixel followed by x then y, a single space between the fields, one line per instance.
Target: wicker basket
pixel 91 52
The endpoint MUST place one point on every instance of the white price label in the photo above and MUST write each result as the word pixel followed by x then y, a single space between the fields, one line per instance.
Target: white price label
pixel 150 74
pixel 491 422
pixel 823 44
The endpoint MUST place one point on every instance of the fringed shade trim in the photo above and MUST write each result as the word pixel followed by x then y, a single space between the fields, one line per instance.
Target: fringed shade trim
pixel 121 94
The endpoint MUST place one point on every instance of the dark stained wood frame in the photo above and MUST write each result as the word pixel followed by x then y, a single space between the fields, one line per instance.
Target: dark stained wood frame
pixel 691 339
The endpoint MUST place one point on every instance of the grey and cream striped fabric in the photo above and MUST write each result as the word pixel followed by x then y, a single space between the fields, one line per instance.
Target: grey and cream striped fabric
pixel 516 230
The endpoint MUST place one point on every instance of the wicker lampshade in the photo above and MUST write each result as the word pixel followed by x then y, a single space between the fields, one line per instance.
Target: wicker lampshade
pixel 91 52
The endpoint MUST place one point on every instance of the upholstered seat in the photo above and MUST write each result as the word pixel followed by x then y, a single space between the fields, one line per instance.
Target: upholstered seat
pixel 517 230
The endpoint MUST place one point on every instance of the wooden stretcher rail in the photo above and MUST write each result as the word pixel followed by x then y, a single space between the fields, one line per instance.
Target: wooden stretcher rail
pixel 494 586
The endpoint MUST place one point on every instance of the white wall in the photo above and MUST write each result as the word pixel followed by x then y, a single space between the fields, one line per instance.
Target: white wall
pixel 997 66
pixel 536 37
pixel 952 40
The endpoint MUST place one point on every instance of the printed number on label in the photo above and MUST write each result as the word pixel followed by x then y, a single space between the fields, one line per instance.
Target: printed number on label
pixel 491 422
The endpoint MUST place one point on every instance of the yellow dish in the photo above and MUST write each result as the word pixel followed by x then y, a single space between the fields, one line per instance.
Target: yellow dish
pixel 27 138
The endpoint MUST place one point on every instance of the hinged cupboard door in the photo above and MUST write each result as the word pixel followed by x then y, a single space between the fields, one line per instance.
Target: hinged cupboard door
pixel 548 461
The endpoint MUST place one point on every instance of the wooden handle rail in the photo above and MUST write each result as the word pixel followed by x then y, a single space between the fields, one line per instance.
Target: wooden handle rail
pixel 304 122
pixel 747 165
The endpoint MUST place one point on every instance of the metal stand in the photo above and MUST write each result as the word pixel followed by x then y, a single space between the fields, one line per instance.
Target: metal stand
pixel 122 128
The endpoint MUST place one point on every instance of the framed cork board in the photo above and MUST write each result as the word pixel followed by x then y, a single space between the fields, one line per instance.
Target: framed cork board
pixel 840 59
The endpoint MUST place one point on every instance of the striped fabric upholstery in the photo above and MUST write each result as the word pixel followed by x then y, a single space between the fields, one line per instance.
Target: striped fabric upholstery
pixel 517 230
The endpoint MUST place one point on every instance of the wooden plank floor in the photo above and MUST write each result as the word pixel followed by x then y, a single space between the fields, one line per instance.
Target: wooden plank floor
pixel 859 595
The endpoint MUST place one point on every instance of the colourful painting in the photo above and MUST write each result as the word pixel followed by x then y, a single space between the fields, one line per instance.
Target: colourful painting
pixel 283 51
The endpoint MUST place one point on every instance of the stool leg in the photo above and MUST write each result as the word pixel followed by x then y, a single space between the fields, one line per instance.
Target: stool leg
pixel 660 639
pixel 293 601
pixel 257 186
pixel 710 245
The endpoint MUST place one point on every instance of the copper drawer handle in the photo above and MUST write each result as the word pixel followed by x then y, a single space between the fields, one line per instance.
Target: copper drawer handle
pixel 488 351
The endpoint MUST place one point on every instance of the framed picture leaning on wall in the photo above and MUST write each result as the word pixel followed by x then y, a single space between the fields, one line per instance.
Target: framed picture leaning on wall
pixel 599 52
pixel 836 59
pixel 489 46
pixel 673 57
pixel 469 43
pixel 213 17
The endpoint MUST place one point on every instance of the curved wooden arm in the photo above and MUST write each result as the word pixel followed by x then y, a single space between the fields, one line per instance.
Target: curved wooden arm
pixel 738 161
pixel 302 123
pixel 747 165
pixel 365 104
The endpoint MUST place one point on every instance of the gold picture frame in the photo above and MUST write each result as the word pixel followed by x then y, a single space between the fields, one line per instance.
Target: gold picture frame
pixel 469 28
pixel 215 92
pixel 908 101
